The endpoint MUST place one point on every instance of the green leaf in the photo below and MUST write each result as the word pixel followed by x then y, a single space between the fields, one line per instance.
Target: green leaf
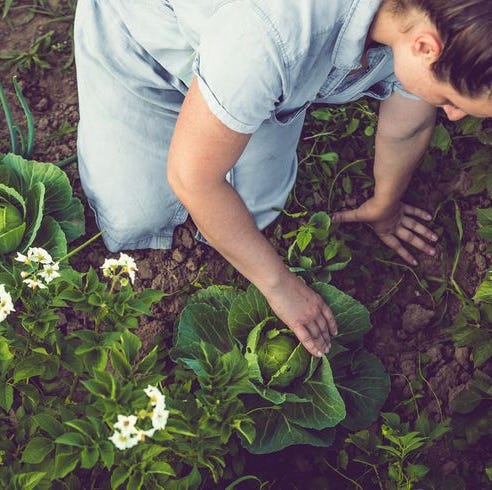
pixel 118 476
pixel 303 238
pixel 28 481
pixel 131 346
pixel 364 386
pixel 247 310
pixel 201 322
pixel 484 292
pixel 89 457
pixel 71 439
pixel 162 468
pixel 416 471
pixel 27 368
pixel 83 426
pixel 50 237
pixel 441 138
pixel 6 395
pixel 276 431
pixel 65 462
pixel 49 424
pixel 106 451
pixel 119 362
pixel 35 208
pixel 326 407
pixel 36 450
pixel 482 352
pixel 351 316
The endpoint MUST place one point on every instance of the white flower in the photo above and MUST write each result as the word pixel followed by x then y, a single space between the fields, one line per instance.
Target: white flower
pixel 33 284
pixel 128 265
pixel 50 272
pixel 122 441
pixel 126 425
pixel 6 305
pixel 143 434
pixel 159 418
pixel 156 398
pixel 25 274
pixel 22 258
pixel 37 254
pixel 109 267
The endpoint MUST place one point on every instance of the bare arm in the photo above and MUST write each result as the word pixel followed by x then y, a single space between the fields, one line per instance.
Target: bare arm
pixel 404 131
pixel 202 151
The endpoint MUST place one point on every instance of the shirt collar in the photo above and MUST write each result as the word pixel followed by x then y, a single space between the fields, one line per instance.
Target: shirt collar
pixel 349 46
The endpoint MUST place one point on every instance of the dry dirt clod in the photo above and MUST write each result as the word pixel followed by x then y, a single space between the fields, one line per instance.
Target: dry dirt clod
pixel 462 356
pixel 416 317
pixel 178 255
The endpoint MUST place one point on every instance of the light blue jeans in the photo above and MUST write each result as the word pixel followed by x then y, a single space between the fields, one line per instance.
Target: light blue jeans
pixel 129 103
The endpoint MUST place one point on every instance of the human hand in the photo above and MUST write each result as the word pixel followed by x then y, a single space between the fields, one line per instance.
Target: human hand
pixel 394 225
pixel 305 313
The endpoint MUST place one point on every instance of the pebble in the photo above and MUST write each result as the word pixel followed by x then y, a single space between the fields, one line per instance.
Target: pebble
pixel 449 467
pixel 416 317
pixel 434 353
pixel 144 270
pixel 178 255
pixel 187 239
pixel 470 247
pixel 462 356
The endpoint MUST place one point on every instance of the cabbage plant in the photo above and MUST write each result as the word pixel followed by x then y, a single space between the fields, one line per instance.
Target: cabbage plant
pixel 37 207
pixel 293 398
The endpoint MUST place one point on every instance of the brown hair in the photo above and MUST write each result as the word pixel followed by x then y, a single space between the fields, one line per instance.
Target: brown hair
pixel 465 28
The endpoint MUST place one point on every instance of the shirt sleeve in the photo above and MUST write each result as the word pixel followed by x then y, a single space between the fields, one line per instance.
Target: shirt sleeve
pixel 239 67
pixel 398 87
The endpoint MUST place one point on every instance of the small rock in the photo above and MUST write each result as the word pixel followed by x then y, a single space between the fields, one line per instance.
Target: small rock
pixel 449 467
pixel 191 265
pixel 42 105
pixel 469 247
pixel 462 356
pixel 434 353
pixel 454 392
pixel 481 262
pixel 42 123
pixel 416 317
pixel 144 270
pixel 408 367
pixel 187 239
pixel 350 201
pixel 178 256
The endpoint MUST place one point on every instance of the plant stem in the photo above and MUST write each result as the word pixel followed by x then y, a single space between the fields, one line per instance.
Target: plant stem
pixel 10 122
pixel 80 247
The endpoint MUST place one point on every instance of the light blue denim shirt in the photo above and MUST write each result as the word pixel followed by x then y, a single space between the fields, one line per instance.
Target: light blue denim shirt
pixel 262 59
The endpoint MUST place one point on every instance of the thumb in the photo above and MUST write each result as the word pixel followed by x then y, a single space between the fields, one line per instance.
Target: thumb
pixel 347 216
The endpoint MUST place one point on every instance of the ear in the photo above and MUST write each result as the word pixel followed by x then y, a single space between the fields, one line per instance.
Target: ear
pixel 427 46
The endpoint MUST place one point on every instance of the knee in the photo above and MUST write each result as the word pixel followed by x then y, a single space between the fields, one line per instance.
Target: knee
pixel 124 227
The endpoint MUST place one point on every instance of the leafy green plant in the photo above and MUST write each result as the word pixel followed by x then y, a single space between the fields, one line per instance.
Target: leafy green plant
pixel 315 253
pixel 70 399
pixel 37 207
pixel 472 411
pixel 394 459
pixel 473 325
pixel 292 398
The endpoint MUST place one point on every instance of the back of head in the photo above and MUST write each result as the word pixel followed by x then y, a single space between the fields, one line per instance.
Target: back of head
pixel 465 28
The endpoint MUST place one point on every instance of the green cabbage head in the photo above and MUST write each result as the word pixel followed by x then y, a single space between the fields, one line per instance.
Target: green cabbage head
pixel 281 353
pixel 12 219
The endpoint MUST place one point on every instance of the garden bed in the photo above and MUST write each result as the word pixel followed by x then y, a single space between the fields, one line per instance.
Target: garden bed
pixel 410 307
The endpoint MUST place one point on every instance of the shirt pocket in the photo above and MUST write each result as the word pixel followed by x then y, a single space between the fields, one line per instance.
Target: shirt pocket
pixel 288 116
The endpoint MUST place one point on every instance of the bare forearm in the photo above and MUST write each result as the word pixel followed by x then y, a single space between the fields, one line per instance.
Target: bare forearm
pixel 224 221
pixel 395 161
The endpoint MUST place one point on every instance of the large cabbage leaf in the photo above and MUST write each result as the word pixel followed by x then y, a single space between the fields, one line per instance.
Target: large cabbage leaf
pixel 347 387
pixel 46 192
